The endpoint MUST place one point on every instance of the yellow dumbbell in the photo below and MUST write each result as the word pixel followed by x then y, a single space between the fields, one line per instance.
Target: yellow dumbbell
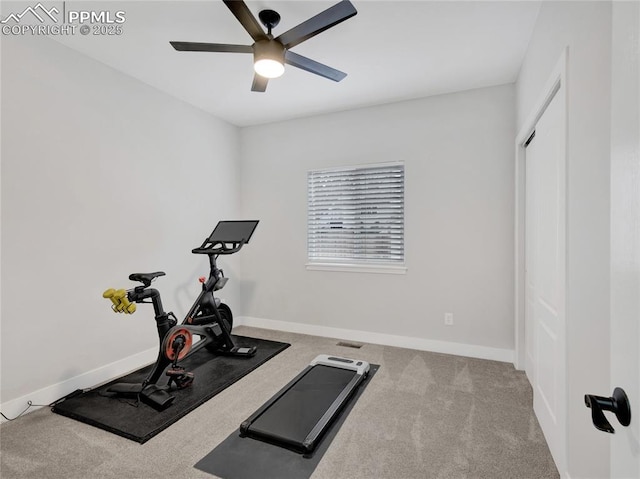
pixel 117 297
pixel 109 295
pixel 121 303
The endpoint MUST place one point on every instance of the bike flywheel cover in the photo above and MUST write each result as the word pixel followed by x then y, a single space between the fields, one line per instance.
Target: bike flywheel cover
pixel 174 334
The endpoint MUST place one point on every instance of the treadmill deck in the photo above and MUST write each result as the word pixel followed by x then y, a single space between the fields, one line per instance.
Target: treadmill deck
pixel 299 414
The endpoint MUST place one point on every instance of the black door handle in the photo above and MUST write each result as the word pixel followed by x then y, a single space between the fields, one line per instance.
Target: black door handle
pixel 618 404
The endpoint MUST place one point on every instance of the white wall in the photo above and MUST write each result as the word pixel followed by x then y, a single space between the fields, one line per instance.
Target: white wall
pixel 101 176
pixel 458 152
pixel 585 27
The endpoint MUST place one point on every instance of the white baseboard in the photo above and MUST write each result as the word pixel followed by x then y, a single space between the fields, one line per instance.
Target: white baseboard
pixel 89 379
pixel 458 349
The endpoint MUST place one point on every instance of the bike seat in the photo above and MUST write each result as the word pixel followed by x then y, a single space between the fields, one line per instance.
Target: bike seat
pixel 145 278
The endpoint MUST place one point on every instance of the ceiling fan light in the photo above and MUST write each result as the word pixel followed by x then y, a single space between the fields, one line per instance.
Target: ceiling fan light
pixel 268 58
pixel 268 68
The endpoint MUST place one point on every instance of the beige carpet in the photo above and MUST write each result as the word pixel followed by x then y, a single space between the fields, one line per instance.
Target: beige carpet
pixel 424 415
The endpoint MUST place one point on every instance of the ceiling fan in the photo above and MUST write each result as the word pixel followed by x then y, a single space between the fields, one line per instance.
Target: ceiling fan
pixel 269 53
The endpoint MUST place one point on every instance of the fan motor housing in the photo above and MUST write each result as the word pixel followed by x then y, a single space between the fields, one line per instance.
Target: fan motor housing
pixel 268 49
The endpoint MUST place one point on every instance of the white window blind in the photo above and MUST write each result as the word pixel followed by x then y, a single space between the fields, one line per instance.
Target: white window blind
pixel 356 215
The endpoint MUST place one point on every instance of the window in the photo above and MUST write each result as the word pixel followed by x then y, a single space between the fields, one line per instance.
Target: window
pixel 356 215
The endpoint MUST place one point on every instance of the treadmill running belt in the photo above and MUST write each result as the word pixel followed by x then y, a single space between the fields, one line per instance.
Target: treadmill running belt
pixel 295 414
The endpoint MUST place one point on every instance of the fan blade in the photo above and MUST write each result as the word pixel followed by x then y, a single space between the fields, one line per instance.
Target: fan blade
pixel 211 47
pixel 259 83
pixel 246 18
pixel 313 66
pixel 318 24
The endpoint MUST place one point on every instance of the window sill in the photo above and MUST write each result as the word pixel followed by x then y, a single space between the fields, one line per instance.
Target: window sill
pixel 357 268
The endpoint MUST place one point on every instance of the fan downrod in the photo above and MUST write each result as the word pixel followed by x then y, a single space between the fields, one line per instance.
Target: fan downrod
pixel 269 19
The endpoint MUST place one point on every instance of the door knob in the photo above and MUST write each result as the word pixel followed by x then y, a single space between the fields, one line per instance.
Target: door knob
pixel 618 404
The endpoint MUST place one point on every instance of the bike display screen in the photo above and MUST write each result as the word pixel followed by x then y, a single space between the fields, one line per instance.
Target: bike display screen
pixel 233 231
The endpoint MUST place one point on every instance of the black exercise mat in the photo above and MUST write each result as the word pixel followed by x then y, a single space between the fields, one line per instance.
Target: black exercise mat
pixel 212 375
pixel 247 458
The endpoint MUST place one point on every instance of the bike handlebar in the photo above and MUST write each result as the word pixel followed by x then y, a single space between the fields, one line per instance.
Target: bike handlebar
pixel 219 247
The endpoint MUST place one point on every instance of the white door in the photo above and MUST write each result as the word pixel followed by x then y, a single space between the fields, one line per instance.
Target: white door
pixel 530 209
pixel 545 273
pixel 625 234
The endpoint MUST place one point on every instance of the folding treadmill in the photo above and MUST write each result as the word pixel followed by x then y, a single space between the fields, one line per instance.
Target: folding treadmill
pixel 300 413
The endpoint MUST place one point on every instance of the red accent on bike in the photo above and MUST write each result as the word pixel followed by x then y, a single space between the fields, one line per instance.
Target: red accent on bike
pixel 202 279
pixel 169 352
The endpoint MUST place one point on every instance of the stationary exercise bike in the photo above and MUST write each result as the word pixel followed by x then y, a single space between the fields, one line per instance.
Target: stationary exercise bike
pixel 208 318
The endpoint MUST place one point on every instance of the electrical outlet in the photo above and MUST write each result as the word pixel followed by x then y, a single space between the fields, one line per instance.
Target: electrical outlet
pixel 448 319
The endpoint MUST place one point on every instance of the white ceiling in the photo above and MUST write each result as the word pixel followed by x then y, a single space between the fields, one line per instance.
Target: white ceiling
pixel 391 50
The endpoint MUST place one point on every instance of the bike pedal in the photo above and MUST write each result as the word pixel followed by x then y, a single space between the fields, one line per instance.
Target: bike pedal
pixel 176 372
pixel 185 381
pixel 181 378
